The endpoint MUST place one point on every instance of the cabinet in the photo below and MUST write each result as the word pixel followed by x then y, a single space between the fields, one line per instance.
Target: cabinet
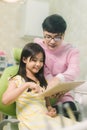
pixel 3 63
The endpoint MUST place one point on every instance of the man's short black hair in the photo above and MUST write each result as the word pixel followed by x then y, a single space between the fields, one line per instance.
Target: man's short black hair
pixel 54 24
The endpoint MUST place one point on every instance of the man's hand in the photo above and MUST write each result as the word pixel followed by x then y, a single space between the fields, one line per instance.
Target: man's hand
pixel 58 95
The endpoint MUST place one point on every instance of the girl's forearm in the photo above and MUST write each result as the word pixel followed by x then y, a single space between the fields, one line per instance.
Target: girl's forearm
pixel 11 95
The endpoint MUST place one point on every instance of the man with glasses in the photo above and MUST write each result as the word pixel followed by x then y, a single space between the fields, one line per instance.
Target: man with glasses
pixel 62 59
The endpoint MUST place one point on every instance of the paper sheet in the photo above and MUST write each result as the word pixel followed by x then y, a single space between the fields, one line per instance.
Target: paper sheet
pixel 62 87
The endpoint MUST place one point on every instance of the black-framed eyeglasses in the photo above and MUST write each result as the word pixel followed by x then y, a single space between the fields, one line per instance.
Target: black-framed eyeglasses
pixel 56 38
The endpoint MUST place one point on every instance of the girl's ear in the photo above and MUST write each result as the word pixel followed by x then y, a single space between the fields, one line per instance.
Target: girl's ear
pixel 24 59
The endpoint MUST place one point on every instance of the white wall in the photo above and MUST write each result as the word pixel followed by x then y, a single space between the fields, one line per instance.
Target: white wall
pixel 10 27
pixel 35 12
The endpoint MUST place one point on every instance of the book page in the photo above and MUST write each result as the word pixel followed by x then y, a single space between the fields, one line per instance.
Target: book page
pixel 62 87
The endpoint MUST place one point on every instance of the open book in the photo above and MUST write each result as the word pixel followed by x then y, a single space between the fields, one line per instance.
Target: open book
pixel 62 87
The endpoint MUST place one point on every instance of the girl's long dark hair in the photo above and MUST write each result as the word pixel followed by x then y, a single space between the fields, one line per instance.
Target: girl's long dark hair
pixel 31 50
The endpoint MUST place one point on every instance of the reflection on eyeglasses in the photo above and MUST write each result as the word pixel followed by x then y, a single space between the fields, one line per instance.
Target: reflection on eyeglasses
pixel 56 38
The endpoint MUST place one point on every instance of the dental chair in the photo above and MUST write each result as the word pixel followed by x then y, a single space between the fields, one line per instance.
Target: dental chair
pixel 9 110
pixel 7 73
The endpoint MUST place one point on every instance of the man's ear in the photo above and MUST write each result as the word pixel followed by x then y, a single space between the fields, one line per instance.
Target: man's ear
pixel 63 35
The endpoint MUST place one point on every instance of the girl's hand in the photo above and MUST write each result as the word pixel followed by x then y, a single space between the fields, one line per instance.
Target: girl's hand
pixel 34 87
pixel 52 111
